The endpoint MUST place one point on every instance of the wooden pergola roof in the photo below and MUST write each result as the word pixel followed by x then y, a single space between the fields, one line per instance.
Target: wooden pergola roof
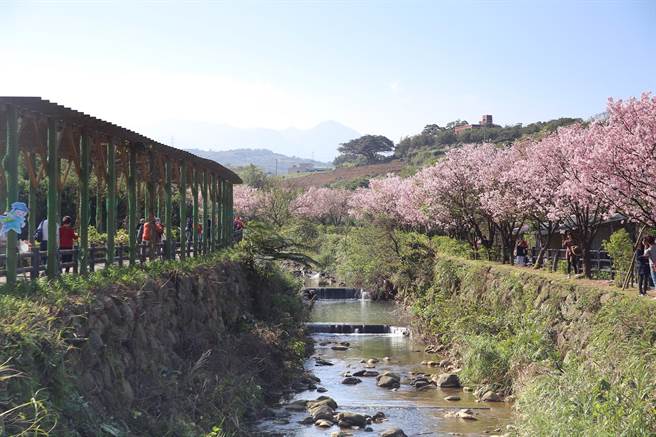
pixel 35 112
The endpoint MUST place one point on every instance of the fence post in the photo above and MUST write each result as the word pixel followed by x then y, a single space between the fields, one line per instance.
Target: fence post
pixel 53 179
pixel 11 175
pixel 168 211
pixel 132 204
pixel 85 143
pixel 194 193
pixel 110 224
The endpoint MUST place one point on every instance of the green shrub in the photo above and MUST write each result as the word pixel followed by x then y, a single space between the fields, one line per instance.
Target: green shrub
pixel 485 360
pixel 450 246
pixel 620 249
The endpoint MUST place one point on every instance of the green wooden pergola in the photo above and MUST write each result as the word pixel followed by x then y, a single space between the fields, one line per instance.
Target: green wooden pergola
pixel 45 133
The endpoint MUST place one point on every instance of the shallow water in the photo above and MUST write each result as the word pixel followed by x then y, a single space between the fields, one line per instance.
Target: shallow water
pixel 417 412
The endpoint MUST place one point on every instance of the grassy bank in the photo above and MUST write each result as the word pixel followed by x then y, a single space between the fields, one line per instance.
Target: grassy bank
pixel 48 331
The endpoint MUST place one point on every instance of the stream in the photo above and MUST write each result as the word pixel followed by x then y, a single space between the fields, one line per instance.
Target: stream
pixel 418 412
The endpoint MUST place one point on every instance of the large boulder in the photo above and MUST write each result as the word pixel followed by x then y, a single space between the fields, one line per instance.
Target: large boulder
pixel 388 380
pixel 393 432
pixel 322 412
pixel 465 414
pixel 351 380
pixel 490 396
pixel 347 419
pixel 322 400
pixel 447 380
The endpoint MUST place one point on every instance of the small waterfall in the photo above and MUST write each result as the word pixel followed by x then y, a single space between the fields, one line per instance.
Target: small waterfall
pixel 364 295
pixel 356 328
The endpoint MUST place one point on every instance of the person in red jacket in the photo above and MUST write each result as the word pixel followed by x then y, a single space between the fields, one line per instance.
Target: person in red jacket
pixel 156 231
pixel 67 237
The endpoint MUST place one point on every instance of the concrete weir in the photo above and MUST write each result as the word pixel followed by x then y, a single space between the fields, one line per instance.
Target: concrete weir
pixel 355 328
pixel 332 293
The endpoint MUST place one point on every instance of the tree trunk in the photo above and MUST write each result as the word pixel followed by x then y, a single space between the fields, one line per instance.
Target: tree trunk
pixel 587 265
pixel 540 259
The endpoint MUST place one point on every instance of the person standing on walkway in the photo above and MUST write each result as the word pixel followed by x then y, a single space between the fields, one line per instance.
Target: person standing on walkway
pixel 642 267
pixel 189 228
pixel 67 237
pixel 571 254
pixel 41 235
pixel 521 249
pixel 650 253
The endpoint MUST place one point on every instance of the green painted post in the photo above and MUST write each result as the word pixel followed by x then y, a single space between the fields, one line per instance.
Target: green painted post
pixel 151 186
pixel 205 212
pixel 146 201
pixel 11 176
pixel 224 201
pixel 53 197
pixel 111 201
pixel 168 212
pixel 231 216
pixel 214 221
pixel 31 219
pixel 183 210
pixel 132 204
pixel 99 209
pixel 222 211
pixel 217 212
pixel 194 192
pixel 85 142
pixel 159 208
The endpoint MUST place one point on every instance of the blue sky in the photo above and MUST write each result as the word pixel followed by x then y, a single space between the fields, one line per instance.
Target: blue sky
pixel 384 67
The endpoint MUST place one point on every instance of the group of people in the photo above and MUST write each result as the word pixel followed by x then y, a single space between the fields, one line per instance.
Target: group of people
pixel 147 230
pixel 150 230
pixel 65 238
pixel 645 258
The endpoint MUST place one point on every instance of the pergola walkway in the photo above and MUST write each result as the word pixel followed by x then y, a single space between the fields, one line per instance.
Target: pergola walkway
pixel 45 140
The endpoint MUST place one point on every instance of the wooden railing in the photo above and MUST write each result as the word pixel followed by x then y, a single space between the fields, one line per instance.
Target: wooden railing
pixel 600 262
pixel 33 263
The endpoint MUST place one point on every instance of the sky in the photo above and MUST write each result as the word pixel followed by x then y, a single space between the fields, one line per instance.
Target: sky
pixel 379 67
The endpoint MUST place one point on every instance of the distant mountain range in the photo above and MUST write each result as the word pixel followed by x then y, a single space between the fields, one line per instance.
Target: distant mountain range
pixel 267 160
pixel 319 142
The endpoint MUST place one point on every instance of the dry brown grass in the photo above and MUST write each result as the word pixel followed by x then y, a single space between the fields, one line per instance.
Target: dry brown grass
pixel 344 174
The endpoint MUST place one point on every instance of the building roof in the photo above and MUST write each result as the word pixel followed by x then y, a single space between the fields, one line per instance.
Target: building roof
pixel 35 112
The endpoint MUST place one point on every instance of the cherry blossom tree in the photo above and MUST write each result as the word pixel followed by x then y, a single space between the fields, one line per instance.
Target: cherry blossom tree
pixel 385 203
pixel 503 196
pixel 575 200
pixel 247 200
pixel 539 180
pixel 326 205
pixel 450 194
pixel 622 165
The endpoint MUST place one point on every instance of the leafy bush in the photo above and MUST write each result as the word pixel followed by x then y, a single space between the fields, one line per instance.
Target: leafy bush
pixel 96 238
pixel 485 360
pixel 450 246
pixel 367 258
pixel 620 248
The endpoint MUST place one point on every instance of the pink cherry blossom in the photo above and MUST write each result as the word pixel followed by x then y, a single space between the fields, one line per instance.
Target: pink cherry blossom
pixel 247 201
pixel 326 205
